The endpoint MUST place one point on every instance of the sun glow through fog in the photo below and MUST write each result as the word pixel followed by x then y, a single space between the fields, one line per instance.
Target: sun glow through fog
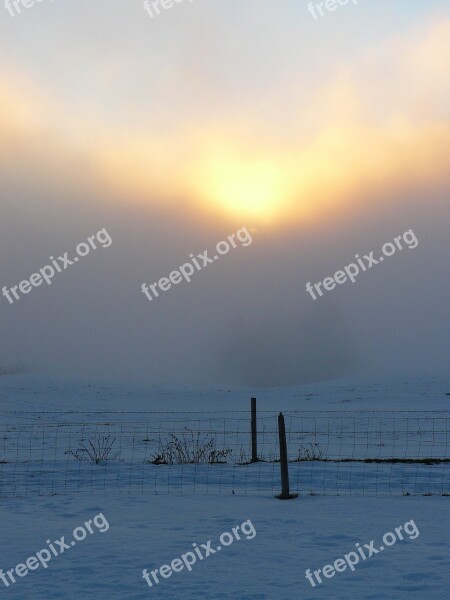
pixel 239 187
pixel 343 141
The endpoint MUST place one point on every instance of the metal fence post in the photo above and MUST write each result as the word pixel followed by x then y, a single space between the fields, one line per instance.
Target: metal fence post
pixel 254 433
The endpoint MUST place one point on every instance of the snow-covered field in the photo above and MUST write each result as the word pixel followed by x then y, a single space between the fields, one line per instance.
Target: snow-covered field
pixel 148 530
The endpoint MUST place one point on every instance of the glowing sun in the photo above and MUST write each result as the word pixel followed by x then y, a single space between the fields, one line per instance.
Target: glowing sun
pixel 253 189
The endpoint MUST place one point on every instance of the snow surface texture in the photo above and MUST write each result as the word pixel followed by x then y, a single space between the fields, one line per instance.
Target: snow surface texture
pixel 147 531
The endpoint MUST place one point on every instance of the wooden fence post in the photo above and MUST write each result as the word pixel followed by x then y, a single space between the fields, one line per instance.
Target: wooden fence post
pixel 254 433
pixel 285 493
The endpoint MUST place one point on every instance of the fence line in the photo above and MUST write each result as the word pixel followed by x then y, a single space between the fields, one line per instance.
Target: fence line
pixel 328 452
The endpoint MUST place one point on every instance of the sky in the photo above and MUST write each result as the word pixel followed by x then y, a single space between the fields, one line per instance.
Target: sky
pixel 324 138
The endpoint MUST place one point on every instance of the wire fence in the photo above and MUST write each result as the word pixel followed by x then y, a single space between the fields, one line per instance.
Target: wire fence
pixel 340 453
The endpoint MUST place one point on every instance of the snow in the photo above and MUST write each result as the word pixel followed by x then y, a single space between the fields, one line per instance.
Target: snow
pixel 148 530
pixel 292 536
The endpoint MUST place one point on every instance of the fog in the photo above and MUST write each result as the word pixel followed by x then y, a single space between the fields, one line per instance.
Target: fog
pixel 175 132
pixel 245 319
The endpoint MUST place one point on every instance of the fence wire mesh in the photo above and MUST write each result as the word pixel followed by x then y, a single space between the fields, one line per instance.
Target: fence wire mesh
pixel 357 453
